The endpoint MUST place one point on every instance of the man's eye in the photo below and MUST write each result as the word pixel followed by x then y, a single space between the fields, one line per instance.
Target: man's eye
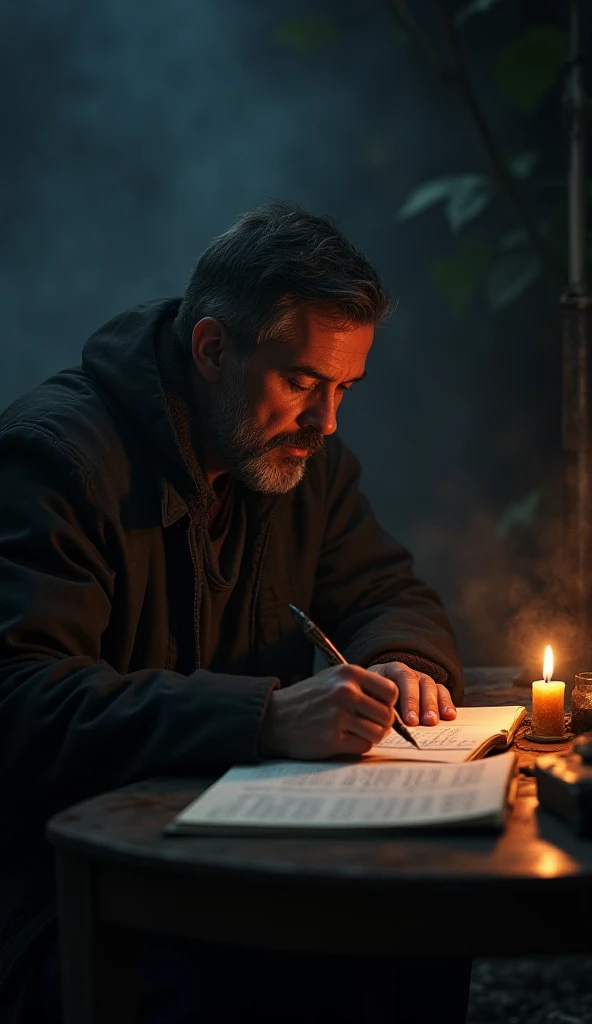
pixel 297 387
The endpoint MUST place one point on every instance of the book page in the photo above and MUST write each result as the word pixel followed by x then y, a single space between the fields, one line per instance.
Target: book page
pixel 327 795
pixel 450 742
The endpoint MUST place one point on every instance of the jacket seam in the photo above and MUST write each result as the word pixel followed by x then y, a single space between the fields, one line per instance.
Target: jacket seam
pixel 257 587
pixel 62 446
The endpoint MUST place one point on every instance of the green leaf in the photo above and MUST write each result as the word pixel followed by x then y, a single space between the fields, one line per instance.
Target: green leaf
pixel 510 276
pixel 400 36
pixel 307 33
pixel 523 165
pixel 466 195
pixel 424 196
pixel 455 277
pixel 513 240
pixel 476 7
pixel 527 68
pixel 520 513
pixel 379 153
pixel 468 199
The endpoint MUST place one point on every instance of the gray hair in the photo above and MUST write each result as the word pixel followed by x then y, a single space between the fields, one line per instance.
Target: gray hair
pixel 255 276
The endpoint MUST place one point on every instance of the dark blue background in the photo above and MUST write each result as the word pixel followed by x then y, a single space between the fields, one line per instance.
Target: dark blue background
pixel 134 131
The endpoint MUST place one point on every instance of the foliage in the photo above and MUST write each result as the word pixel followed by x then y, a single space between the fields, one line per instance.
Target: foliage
pixel 455 276
pixel 307 33
pixel 511 272
pixel 528 67
pixel 476 7
pixel 526 70
pixel 466 195
pixel 400 36
pixel 510 266
pixel 520 513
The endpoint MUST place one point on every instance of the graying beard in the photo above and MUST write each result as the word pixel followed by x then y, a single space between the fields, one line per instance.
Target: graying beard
pixel 236 439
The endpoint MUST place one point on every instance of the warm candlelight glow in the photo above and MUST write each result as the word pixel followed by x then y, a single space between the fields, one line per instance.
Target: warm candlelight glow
pixel 548 663
pixel 547 701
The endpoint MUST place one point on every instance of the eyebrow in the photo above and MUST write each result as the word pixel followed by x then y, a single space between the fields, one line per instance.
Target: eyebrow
pixel 311 371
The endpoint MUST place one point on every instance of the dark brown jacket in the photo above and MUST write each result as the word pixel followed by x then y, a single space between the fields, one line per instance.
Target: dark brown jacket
pixel 100 590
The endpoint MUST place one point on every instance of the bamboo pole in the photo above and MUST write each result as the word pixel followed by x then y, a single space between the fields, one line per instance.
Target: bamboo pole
pixel 577 366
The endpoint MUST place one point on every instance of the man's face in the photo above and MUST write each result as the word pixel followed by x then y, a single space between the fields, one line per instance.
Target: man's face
pixel 270 413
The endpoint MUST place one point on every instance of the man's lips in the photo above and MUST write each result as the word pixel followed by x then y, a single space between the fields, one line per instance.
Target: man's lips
pixel 297 452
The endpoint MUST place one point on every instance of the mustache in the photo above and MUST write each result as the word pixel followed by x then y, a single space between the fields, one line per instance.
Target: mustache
pixel 311 441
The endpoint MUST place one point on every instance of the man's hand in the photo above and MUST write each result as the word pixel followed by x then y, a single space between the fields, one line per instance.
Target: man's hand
pixel 421 700
pixel 344 709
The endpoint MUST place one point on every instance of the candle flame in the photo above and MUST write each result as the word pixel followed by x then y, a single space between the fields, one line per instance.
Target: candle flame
pixel 548 663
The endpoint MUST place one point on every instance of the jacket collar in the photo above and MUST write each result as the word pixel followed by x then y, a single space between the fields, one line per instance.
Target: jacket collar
pixel 173 506
pixel 122 358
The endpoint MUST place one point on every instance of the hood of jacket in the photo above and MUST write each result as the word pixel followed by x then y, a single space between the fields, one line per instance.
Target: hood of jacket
pixel 136 361
pixel 121 359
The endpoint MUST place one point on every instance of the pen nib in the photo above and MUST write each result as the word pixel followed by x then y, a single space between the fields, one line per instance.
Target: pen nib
pixel 404 732
pixel 411 740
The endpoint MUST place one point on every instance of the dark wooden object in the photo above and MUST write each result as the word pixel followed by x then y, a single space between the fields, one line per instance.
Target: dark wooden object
pixel 577 354
pixel 526 891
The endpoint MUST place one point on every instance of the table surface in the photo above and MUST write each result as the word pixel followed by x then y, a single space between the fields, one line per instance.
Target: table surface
pixel 125 827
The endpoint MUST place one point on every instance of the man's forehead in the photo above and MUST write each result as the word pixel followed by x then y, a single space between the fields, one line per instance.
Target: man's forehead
pixel 313 340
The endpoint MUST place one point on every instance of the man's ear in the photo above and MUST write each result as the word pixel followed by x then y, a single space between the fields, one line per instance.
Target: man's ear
pixel 209 346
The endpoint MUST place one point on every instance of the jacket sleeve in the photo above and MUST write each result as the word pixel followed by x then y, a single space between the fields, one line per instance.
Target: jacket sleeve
pixel 367 597
pixel 71 725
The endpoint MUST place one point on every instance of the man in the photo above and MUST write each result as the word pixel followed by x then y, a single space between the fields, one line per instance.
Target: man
pixel 160 507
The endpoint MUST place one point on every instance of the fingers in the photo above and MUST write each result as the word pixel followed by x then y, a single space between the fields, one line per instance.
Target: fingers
pixel 351 744
pixel 363 727
pixel 359 715
pixel 354 701
pixel 420 700
pixel 409 699
pixel 428 701
pixel 369 698
pixel 353 696
pixel 384 690
pixel 445 703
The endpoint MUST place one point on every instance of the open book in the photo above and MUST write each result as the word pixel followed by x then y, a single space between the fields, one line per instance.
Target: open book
pixel 474 733
pixel 373 793
pixel 331 797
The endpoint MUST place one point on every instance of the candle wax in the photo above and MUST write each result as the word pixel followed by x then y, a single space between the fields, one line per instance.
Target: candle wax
pixel 547 707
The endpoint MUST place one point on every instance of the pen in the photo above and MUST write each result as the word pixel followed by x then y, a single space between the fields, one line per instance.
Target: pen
pixel 318 638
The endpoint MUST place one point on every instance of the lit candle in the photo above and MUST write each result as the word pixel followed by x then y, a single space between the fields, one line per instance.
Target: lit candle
pixel 547 701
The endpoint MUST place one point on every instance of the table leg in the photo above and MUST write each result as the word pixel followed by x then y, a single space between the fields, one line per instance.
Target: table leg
pixel 98 960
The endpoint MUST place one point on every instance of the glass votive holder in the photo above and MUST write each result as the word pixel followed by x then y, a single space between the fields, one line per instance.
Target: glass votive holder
pixel 581 703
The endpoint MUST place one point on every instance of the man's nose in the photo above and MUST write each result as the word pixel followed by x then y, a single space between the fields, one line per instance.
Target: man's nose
pixel 321 413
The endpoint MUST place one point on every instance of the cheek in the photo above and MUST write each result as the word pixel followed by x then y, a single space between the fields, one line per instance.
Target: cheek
pixel 277 421
pixel 273 411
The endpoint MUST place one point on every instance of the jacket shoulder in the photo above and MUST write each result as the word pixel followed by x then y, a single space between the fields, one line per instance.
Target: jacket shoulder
pixel 66 414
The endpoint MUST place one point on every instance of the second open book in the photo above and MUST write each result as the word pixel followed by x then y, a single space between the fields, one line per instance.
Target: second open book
pixel 372 793
pixel 473 734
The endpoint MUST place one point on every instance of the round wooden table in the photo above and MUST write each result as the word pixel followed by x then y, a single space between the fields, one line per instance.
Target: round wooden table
pixel 527 890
